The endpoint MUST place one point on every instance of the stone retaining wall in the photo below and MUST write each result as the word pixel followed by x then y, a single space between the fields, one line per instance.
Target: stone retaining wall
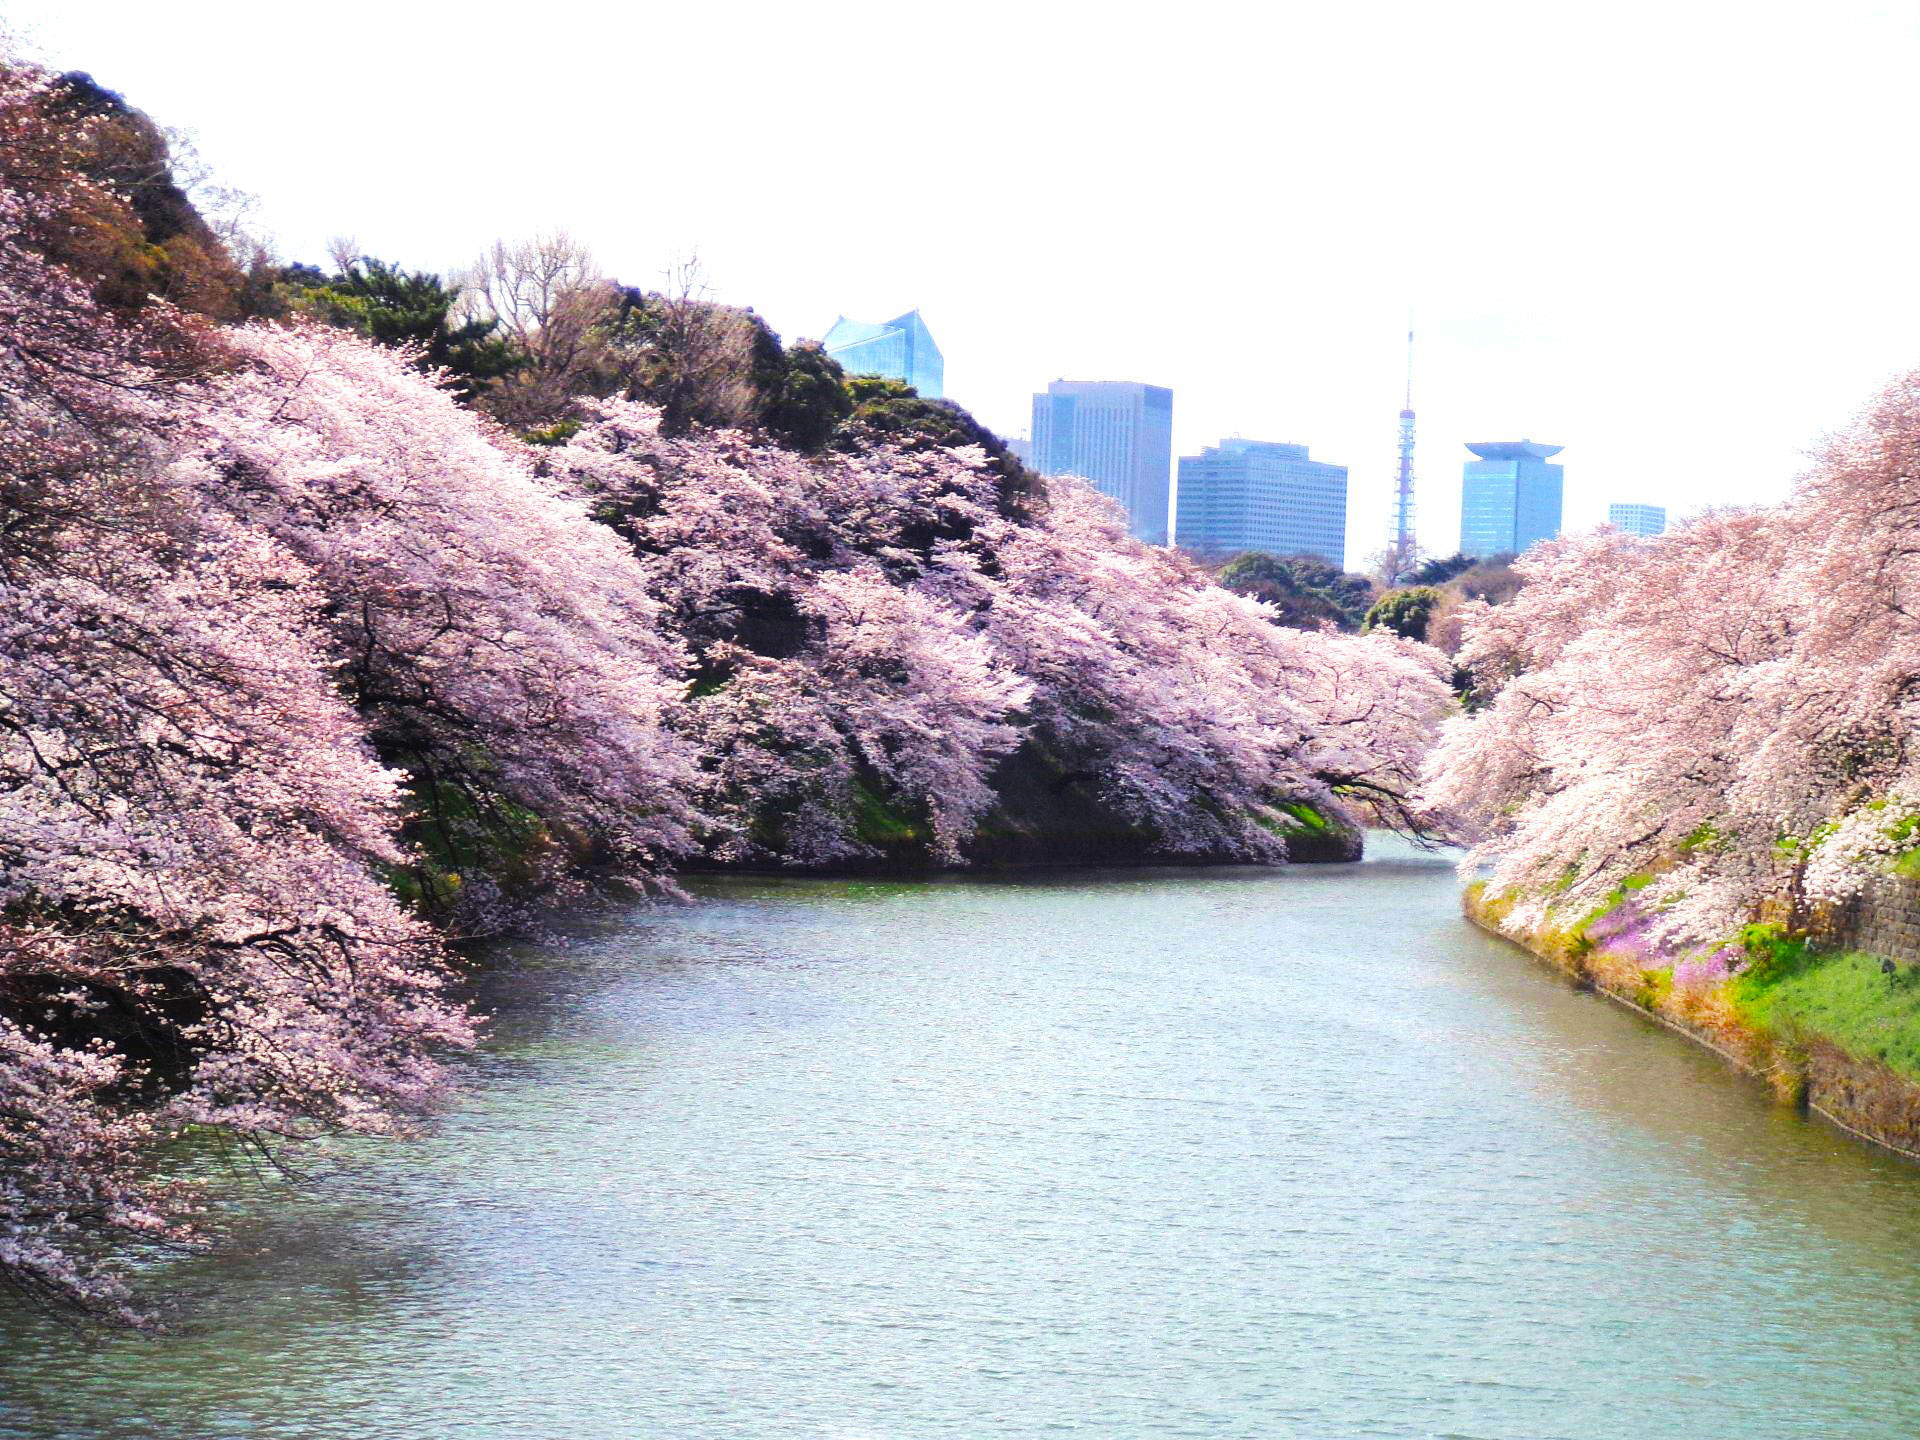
pixel 1884 919
pixel 1858 1094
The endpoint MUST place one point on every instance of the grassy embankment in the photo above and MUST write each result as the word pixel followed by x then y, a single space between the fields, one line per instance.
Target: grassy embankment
pixel 1836 1031
pixel 1843 997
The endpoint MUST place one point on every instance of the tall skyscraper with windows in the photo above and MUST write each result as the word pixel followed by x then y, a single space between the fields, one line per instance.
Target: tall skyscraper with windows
pixel 1117 434
pixel 1261 495
pixel 1638 519
pixel 1509 497
pixel 900 348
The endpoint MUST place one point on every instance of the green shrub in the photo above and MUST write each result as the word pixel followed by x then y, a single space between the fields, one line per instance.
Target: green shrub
pixel 1404 612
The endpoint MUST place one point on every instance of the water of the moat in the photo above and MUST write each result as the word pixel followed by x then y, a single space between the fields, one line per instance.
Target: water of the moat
pixel 1149 1154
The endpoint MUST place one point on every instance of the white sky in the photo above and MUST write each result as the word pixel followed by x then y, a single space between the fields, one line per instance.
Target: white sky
pixel 1676 238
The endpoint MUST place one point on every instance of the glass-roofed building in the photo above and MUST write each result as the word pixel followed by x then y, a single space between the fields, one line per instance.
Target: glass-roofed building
pixel 900 349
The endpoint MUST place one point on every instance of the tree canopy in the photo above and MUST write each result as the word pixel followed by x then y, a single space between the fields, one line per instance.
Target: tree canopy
pixel 309 670
pixel 1307 591
pixel 1406 612
pixel 1438 571
pixel 392 306
pixel 1720 714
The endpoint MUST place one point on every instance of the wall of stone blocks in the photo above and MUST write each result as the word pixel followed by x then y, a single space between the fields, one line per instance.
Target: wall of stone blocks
pixel 1884 919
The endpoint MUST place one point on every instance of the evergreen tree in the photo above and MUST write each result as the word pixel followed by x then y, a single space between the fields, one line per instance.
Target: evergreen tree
pixel 392 306
pixel 1439 571
pixel 807 397
pixel 1307 591
pixel 1405 612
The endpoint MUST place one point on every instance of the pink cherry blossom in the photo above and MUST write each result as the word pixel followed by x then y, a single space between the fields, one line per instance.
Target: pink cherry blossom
pixel 1728 707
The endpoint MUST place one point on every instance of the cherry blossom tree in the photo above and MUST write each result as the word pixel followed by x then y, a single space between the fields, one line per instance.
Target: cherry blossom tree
pixel 192 927
pixel 1729 707
pixel 281 623
pixel 496 641
pixel 883 624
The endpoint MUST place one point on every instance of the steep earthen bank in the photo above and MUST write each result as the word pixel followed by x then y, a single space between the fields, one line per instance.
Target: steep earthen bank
pixel 1860 1095
pixel 1048 815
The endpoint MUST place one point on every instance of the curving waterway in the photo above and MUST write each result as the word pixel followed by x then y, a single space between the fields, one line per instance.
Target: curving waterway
pixel 1154 1154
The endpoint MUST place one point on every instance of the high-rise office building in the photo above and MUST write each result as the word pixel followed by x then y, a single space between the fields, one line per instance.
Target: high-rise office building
pixel 1115 433
pixel 1509 497
pixel 1638 519
pixel 1259 495
pixel 900 348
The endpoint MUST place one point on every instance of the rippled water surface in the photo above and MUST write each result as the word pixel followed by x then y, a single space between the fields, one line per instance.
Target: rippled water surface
pixel 1226 1153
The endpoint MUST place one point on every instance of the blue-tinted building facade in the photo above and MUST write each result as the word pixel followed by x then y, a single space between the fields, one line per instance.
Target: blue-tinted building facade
pixel 1638 519
pixel 900 348
pixel 1117 434
pixel 1260 495
pixel 1509 497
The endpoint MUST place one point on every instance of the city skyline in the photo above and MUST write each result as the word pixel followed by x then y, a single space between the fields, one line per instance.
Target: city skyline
pixel 1242 494
pixel 1283 326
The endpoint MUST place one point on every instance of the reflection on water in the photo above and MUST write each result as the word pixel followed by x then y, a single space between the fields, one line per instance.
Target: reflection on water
pixel 1222 1153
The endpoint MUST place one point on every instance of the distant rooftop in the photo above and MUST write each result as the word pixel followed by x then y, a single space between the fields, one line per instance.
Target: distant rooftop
pixel 901 348
pixel 1513 449
pixel 1107 385
pixel 1236 444
pixel 854 332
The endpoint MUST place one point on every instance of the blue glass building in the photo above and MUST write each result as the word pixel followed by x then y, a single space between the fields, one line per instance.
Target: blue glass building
pixel 1509 497
pixel 1260 495
pixel 1638 519
pixel 900 348
pixel 1116 434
